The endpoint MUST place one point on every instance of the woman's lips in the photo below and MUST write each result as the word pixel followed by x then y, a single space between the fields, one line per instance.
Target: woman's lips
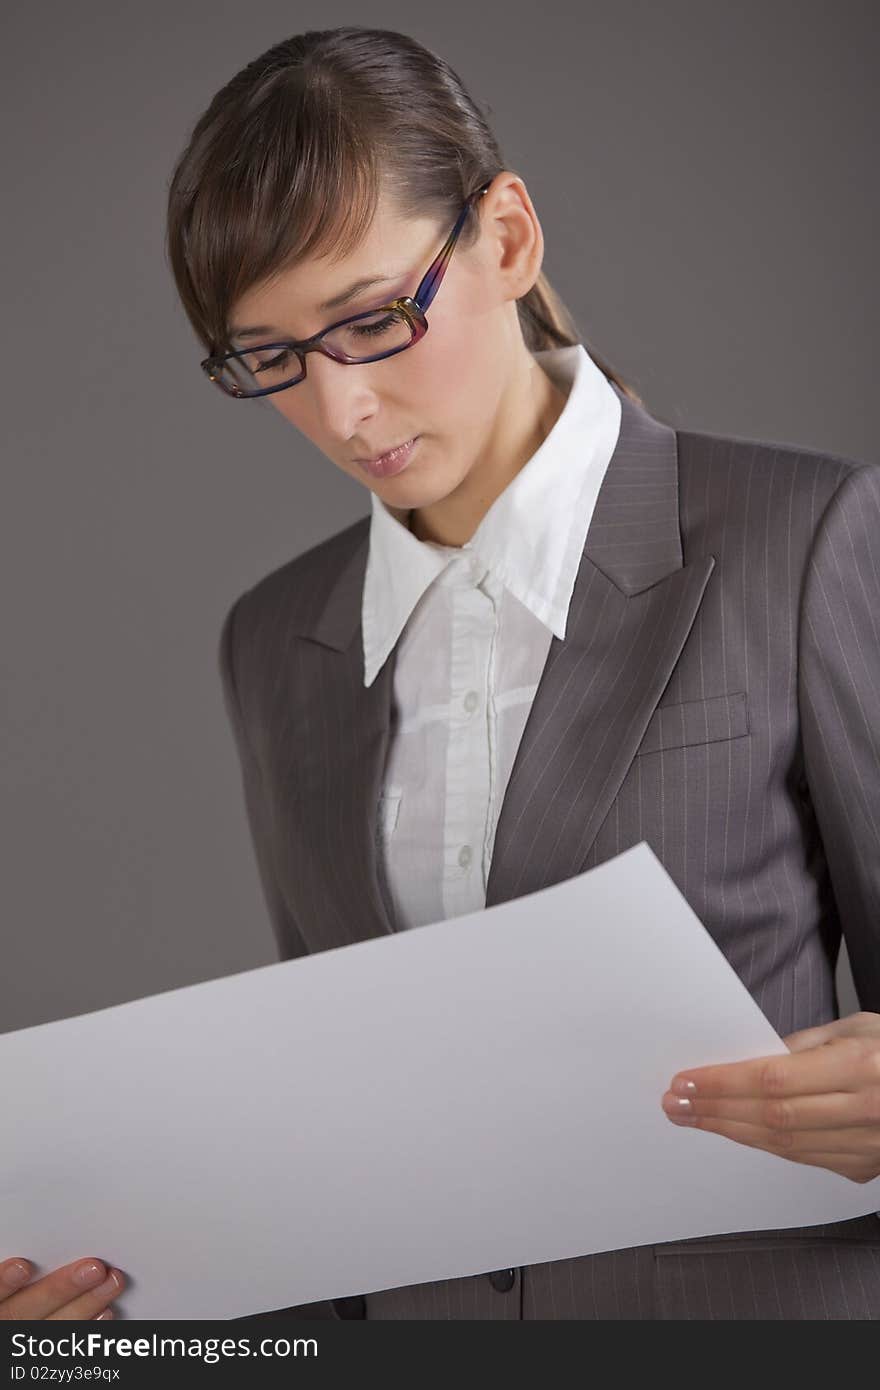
pixel 390 464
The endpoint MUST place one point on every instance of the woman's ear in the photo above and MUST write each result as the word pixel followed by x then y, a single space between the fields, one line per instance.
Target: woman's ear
pixel 514 241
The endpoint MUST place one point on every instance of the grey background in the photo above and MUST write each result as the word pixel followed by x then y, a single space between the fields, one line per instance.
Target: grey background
pixel 704 176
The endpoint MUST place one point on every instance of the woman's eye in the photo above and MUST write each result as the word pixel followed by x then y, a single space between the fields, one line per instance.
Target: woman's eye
pixel 271 363
pixel 370 330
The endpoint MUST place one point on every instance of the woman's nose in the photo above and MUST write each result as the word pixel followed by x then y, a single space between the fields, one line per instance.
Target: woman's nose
pixel 341 394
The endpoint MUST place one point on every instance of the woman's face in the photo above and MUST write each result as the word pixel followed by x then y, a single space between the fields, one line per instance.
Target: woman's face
pixel 465 389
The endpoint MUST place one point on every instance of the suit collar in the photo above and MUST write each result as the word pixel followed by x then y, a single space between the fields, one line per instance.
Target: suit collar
pixel 633 538
pixel 530 540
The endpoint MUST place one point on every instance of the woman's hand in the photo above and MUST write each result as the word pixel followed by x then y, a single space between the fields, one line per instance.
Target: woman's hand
pixel 81 1290
pixel 820 1106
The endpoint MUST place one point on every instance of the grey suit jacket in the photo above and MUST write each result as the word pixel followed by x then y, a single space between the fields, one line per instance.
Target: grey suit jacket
pixel 717 694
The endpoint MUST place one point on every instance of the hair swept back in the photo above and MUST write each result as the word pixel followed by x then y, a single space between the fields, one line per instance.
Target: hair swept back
pixel 290 157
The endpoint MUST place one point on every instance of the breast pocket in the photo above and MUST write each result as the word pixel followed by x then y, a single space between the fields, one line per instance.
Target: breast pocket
pixel 718 719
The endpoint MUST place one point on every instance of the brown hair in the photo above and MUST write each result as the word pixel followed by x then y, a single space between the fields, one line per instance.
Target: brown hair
pixel 290 156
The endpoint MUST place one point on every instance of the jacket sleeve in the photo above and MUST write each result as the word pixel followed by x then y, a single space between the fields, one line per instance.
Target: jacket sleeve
pixel 287 933
pixel 839 702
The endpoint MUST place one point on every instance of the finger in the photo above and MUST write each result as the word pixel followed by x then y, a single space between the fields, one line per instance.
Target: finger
pixel 55 1290
pixel 831 1110
pixel 107 1313
pixel 843 1064
pixel 92 1302
pixel 14 1274
pixel 859 1145
pixel 857 1169
pixel 852 1025
pixel 811 1037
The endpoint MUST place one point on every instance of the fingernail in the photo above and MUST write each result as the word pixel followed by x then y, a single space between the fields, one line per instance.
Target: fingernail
pixel 88 1275
pixel 107 1313
pixel 681 1086
pixel 677 1105
pixel 16 1274
pixel 112 1284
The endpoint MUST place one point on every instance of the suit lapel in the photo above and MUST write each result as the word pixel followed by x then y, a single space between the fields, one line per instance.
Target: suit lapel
pixel 341 772
pixel 633 605
pixel 597 693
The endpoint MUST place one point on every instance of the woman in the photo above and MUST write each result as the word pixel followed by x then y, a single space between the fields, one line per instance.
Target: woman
pixel 565 627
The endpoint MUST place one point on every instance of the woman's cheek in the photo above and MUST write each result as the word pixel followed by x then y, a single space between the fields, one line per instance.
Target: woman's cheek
pixel 454 378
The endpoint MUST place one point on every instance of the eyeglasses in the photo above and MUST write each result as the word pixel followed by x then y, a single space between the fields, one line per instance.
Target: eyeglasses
pixel 392 328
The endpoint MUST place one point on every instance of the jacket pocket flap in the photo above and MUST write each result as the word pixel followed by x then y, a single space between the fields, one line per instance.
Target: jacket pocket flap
pixel 696 721
pixel 858 1230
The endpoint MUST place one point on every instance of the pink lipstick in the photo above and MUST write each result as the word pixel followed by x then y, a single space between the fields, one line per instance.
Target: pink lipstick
pixel 387 465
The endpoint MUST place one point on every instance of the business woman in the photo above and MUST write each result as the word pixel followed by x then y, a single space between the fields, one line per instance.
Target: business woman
pixel 564 627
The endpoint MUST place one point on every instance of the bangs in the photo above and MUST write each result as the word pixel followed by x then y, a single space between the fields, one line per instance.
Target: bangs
pixel 290 175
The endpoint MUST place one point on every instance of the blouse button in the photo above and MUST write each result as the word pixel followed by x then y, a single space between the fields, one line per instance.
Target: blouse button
pixel 464 856
pixel 471 700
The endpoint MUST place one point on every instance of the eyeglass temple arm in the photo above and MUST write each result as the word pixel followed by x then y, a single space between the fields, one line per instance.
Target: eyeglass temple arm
pixel 431 282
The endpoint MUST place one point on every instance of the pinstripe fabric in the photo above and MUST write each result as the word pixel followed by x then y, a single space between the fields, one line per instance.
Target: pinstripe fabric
pixel 717 694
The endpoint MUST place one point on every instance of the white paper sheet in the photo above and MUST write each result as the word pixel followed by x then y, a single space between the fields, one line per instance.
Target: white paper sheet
pixel 480 1093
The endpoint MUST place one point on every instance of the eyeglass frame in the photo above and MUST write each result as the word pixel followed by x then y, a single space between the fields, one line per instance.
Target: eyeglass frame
pixel 413 309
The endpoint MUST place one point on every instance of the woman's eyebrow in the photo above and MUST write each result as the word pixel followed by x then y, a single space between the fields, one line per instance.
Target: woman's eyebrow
pixel 337 300
pixel 353 290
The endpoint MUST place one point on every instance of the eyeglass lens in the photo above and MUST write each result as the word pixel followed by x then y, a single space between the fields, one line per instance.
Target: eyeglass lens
pixel 359 341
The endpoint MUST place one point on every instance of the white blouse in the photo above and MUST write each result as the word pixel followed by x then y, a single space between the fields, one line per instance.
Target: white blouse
pixel 473 626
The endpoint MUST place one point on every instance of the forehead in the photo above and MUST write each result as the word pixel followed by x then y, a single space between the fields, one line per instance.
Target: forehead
pixel 336 279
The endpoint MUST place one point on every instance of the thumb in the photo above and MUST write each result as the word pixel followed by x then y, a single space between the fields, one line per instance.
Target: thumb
pixel 806 1038
pixel 850 1026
